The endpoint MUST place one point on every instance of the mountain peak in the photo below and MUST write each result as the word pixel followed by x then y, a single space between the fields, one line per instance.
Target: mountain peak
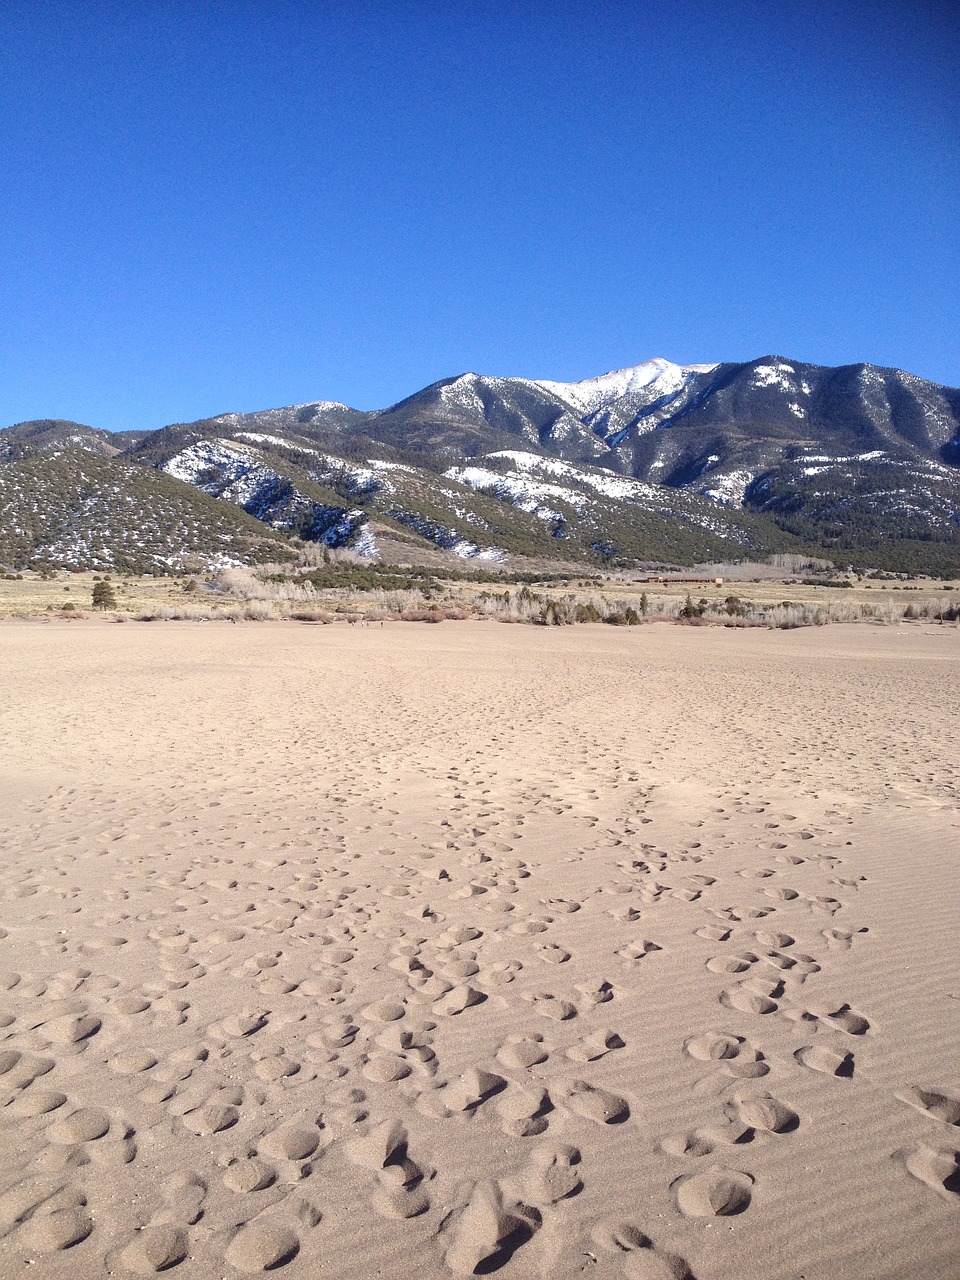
pixel 660 375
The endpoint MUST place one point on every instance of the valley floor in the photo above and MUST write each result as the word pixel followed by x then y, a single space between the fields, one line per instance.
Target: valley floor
pixel 423 951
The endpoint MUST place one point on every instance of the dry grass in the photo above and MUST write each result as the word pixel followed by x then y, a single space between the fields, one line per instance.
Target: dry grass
pixel 240 595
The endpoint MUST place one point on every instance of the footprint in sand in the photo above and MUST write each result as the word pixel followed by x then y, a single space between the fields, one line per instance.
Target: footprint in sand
pixel 247 1173
pixel 774 938
pixel 735 1056
pixel 763 1111
pixel 384 1011
pixel 596 992
pixel 19 1070
pixel 824 905
pixel 524 1110
pixel 598 1105
pixel 551 1006
pixel 522 1051
pixel 939 1106
pixel 131 1062
pixel 72 1030
pixel 829 1062
pixel 58 1228
pixel 714 1193
pixel 596 1046
pixel 474 1087
pixel 154 1249
pixel 713 932
pixel 338 1033
pixel 938 1168
pixel 379 1146
pixel 561 905
pixel 37 1102
pixel 704 1142
pixel 634 952
pixel 399 1192
pixel 844 1019
pixel 87 1124
pixel 530 926
pixel 713 1046
pixel 183 1199
pixel 641 1260
pixel 842 939
pixel 489 1230
pixel 457 999
pixel 265 1244
pixel 553 1174
pixel 294 1142
pixel 276 1067
pixel 732 964
pixel 245 1023
pixel 756 995
pixel 212 1118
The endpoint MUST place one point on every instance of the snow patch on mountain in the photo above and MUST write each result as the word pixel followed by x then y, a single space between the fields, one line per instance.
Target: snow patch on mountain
pixel 232 461
pixel 524 493
pixel 815 463
pixel 608 484
pixel 236 473
pixel 445 537
pixel 258 437
pixel 365 544
pixel 658 376
pixel 381 464
pixel 729 489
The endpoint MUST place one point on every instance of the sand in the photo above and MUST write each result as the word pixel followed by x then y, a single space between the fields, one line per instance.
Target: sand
pixel 431 951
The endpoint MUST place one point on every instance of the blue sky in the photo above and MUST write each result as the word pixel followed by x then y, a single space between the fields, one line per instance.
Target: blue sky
pixel 228 205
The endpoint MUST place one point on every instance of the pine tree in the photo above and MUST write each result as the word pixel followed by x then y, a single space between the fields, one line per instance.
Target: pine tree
pixel 103 597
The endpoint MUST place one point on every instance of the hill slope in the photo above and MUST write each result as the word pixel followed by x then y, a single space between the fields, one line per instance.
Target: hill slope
pixel 76 508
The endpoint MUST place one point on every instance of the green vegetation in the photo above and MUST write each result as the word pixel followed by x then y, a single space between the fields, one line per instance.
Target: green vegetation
pixel 868 515
pixel 76 509
pixel 375 577
pixel 103 597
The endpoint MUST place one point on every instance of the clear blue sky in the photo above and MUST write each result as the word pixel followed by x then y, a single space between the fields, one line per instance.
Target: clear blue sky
pixel 212 205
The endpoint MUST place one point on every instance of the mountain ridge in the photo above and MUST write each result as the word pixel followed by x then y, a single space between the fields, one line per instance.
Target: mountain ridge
pixel 751 456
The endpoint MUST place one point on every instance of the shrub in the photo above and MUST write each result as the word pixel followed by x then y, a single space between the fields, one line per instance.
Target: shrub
pixel 311 615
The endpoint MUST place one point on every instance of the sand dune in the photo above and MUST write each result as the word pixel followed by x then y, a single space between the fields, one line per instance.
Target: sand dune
pixel 439 951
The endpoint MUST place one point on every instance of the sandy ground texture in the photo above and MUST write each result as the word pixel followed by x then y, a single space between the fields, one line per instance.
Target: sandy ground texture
pixel 434 951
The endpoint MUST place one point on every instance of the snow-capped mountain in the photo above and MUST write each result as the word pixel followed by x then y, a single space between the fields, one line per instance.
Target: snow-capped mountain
pixel 613 402
pixel 659 460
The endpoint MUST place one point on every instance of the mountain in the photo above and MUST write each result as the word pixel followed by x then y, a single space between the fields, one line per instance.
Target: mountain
pixel 80 508
pixel 481 511
pixel 854 459
pixel 656 462
pixel 46 435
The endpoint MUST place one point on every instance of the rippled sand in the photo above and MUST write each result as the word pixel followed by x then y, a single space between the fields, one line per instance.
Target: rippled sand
pixel 432 951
